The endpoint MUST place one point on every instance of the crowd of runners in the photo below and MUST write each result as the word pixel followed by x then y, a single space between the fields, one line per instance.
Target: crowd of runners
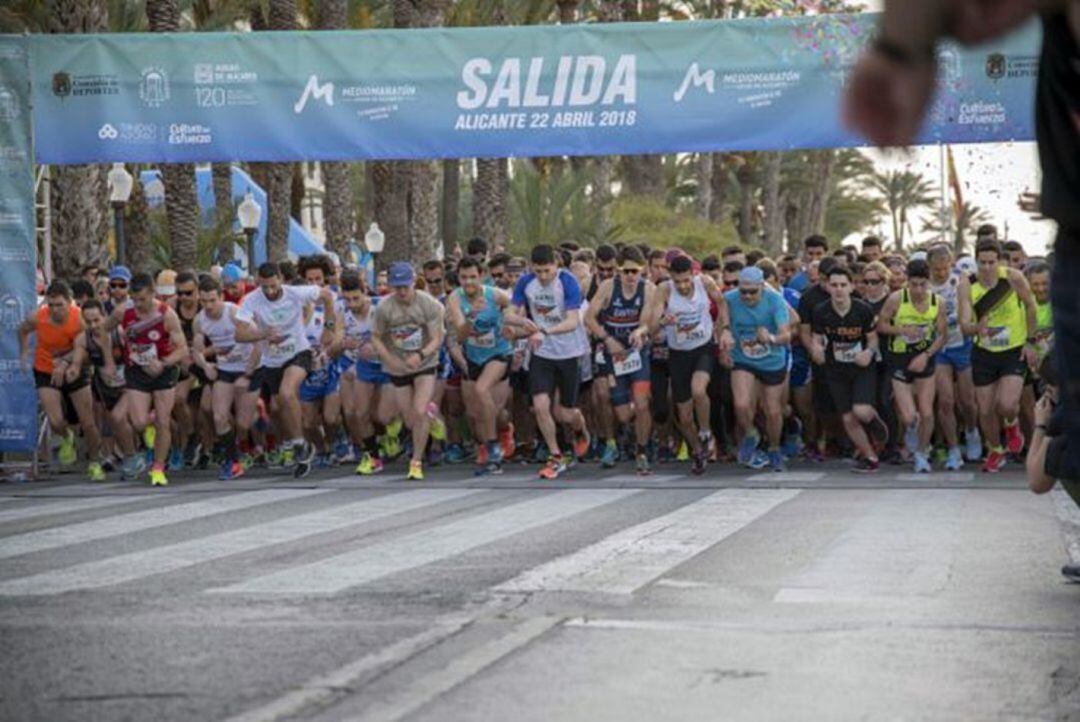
pixel 615 354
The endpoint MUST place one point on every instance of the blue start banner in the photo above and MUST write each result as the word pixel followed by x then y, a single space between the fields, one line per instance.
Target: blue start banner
pixel 18 400
pixel 479 92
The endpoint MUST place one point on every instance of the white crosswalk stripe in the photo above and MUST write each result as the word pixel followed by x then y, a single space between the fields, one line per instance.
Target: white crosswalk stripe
pixel 624 562
pixel 46 508
pixel 171 557
pixel 369 563
pixel 119 525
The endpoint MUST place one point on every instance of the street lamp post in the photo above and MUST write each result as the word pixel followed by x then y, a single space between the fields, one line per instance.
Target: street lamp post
pixel 375 240
pixel 249 213
pixel 120 186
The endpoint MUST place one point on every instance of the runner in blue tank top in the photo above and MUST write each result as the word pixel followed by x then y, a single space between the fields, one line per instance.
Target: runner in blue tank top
pixel 476 315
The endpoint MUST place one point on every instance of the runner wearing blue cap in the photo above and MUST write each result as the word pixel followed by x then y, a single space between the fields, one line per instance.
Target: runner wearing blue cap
pixel 759 338
pixel 409 331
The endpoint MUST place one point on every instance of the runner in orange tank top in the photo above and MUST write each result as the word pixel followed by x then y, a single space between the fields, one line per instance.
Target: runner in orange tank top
pixel 59 374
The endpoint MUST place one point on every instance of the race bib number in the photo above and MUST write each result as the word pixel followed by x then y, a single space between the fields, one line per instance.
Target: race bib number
pixel 286 348
pixel 143 355
pixel 754 349
pixel 631 364
pixel 954 337
pixel 483 340
pixel 688 331
pixel 997 336
pixel 845 352
pixel 115 380
pixel 408 338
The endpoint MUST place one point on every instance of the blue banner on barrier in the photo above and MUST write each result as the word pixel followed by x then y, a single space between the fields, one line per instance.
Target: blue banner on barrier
pixel 477 92
pixel 18 250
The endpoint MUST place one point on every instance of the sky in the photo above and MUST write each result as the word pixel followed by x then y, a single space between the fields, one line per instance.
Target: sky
pixel 992 176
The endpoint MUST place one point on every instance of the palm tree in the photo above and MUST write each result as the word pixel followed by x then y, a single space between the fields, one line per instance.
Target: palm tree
pixel 903 192
pixel 181 198
pixel 338 212
pixel 553 207
pixel 78 193
pixel 958 226
pixel 281 15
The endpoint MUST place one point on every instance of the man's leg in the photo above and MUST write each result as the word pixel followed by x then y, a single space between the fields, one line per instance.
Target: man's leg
pixel 853 425
pixel 774 413
pixel 163 408
pixel 699 391
pixel 52 403
pixel 925 395
pixel 83 401
pixel 423 390
pixel 288 399
pixel 945 406
pixel 744 388
pixel 989 419
pixel 904 399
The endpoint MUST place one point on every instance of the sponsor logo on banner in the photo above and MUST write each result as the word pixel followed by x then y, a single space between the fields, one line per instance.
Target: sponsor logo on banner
pixel 314 91
pixel 980 113
pixel 66 85
pixel 218 85
pixel 154 87
pixel 11 312
pixel 129 132
pixel 694 78
pixel 61 85
pixel 755 88
pixel 596 92
pixel 190 134
pixel 9 103
pixel 15 254
pixel 1000 66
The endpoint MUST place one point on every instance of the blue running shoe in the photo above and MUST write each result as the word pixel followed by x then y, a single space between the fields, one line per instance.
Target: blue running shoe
pixel 176 460
pixel 759 460
pixel 609 455
pixel 776 461
pixel 747 447
pixel 454 454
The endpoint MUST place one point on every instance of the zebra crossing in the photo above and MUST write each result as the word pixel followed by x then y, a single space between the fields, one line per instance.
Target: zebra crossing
pixel 452 522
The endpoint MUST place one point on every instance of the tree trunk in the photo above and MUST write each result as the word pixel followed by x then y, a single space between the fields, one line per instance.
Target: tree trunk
pixel 224 210
pixel 281 16
pixel 391 208
pixel 77 219
pixel 451 197
pixel 774 212
pixel 745 176
pixel 181 211
pixel 79 193
pixel 718 200
pixel 644 175
pixel 297 193
pixel 137 230
pixel 181 196
pixel 489 200
pixel 338 209
pixel 424 210
pixel 703 196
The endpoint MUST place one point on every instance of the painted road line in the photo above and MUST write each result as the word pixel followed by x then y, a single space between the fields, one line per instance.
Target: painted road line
pixel 462 668
pixel 943 477
pixel 171 557
pixel 69 505
pixel 903 546
pixel 628 560
pixel 789 477
pixel 340 572
pixel 118 525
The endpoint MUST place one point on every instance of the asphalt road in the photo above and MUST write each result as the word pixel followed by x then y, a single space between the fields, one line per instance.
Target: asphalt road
pixel 816 594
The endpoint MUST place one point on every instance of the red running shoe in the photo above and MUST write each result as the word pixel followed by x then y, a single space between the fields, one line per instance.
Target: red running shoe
pixel 995 462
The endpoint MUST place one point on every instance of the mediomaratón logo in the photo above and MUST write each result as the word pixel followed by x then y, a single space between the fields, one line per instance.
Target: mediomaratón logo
pixel 695 78
pixel 314 91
